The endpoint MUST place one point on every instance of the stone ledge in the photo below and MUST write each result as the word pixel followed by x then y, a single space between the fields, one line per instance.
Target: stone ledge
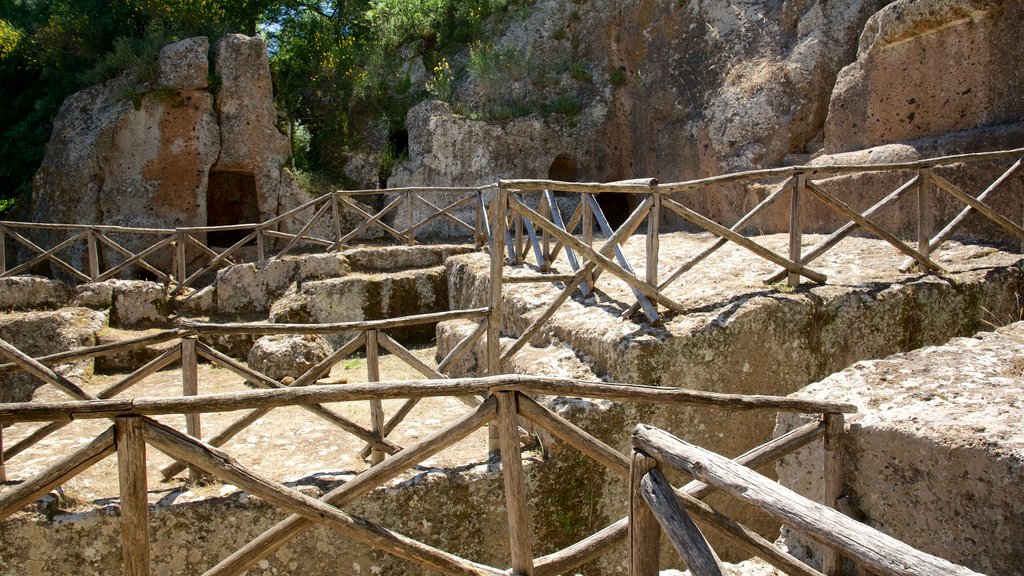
pixel 935 457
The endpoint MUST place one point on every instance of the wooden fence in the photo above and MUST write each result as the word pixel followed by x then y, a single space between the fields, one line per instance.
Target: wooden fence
pixel 536 234
pixel 515 219
pixel 655 503
pixel 507 399
pixel 179 257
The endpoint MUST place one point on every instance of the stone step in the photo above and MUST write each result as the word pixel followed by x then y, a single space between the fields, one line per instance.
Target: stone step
pixel 130 359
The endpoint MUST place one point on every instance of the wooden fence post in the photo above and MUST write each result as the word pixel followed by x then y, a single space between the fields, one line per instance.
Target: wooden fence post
pixel 376 406
pixel 3 466
pixel 479 236
pixel 336 215
pixel 499 205
pixel 182 266
pixel 131 466
pixel 3 249
pixel 795 232
pixel 261 248
pixel 924 212
pixel 409 217
pixel 519 530
pixel 94 257
pixel 644 532
pixel 190 387
pixel 653 246
pixel 831 563
pixel 588 238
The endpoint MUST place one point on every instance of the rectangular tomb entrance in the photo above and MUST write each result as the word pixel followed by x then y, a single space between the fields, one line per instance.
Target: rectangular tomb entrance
pixel 230 199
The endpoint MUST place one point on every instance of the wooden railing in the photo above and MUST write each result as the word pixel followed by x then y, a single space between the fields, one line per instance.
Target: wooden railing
pixel 370 336
pixel 535 233
pixel 179 257
pixel 507 399
pixel 655 503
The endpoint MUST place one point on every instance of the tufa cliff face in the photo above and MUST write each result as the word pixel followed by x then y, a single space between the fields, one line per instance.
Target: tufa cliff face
pixel 680 89
pixel 177 153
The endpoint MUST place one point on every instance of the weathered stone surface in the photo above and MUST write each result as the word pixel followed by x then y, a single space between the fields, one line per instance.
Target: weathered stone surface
pixel 185 64
pixel 366 297
pixel 249 288
pixel 283 355
pixel 665 89
pixel 148 162
pixel 321 266
pixel 138 304
pixel 200 302
pixel 41 333
pixel 393 258
pixel 935 454
pixel 32 293
pixel 99 295
pixel 926 69
pixel 128 360
pixel 111 162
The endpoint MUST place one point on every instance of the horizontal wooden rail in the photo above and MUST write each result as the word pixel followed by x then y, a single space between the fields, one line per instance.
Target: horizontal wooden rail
pixel 226 402
pixel 333 328
pixel 101 350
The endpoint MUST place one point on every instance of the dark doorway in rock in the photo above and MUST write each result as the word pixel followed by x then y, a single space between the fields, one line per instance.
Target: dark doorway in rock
pixel 615 206
pixel 230 199
pixel 562 168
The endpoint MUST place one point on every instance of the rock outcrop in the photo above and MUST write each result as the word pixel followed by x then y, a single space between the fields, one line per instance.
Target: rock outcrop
pixel 177 152
pixel 935 454
pixel 929 69
pixel 680 90
pixel 291 355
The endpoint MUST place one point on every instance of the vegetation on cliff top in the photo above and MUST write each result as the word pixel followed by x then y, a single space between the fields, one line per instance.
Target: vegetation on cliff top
pixel 337 64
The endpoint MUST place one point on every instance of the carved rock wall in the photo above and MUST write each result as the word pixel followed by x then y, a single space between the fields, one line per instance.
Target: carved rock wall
pixel 138 155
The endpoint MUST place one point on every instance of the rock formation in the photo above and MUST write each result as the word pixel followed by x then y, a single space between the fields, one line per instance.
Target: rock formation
pixel 680 90
pixel 179 152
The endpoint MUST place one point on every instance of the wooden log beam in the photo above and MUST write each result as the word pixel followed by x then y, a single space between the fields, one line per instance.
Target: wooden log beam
pixel 445 212
pixel 97 351
pixel 838 205
pixel 283 532
pixel 985 210
pixel 370 220
pixel 133 258
pixel 165 359
pixel 644 535
pixel 718 229
pixel 17 497
pixel 878 551
pixel 131 473
pixel 595 545
pixel 336 327
pixel 32 246
pixel 684 535
pixel 51 253
pixel 845 230
pixel 463 346
pixel 223 466
pixel 574 436
pixel 298 235
pixel 949 229
pixel 604 262
pixel 249 399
